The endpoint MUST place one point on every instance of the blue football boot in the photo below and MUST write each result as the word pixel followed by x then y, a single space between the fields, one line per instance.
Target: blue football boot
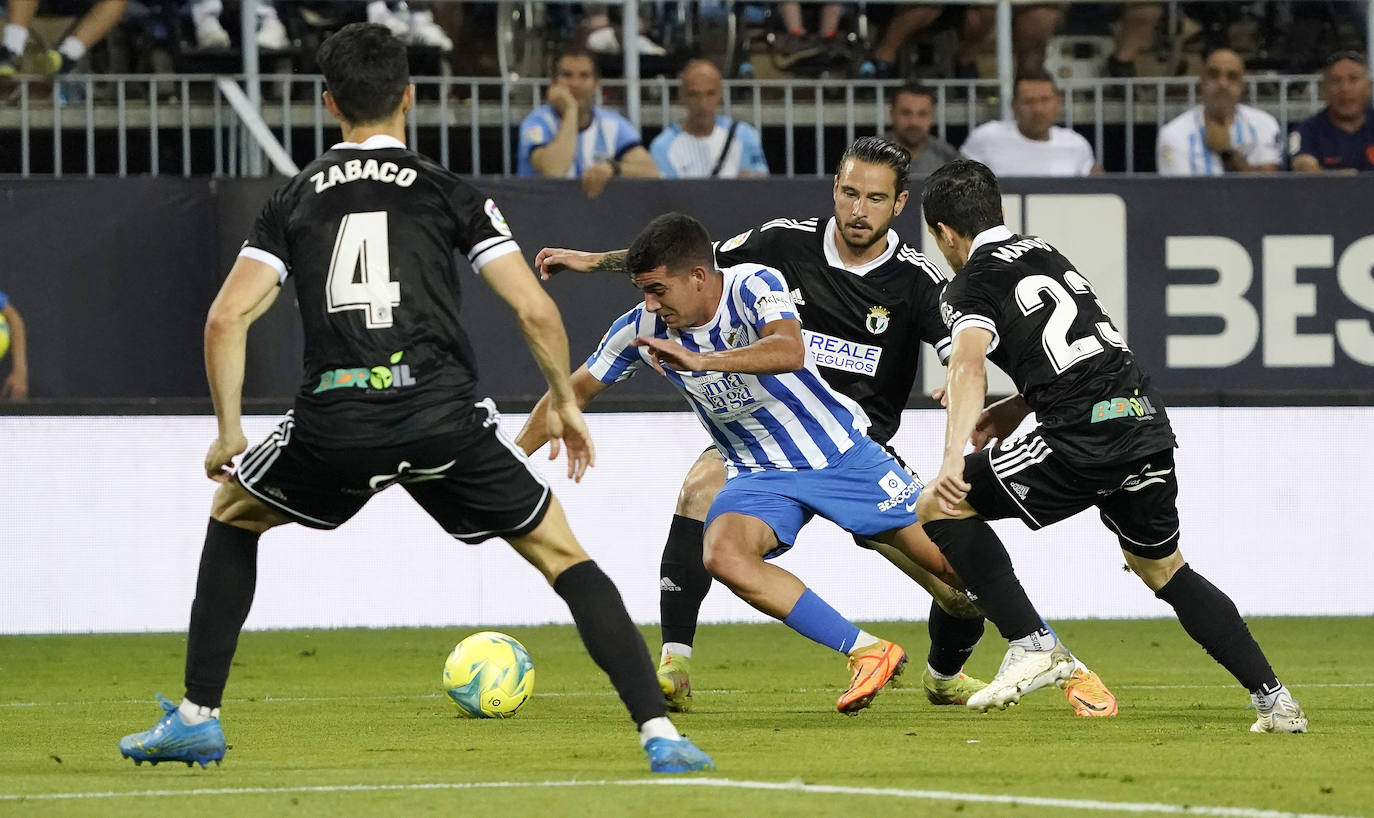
pixel 172 739
pixel 676 755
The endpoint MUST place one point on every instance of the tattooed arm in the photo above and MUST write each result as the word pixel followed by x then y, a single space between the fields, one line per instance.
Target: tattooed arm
pixel 553 260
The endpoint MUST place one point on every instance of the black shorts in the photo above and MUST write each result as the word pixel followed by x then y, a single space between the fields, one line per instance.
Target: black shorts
pixel 471 479
pixel 1023 477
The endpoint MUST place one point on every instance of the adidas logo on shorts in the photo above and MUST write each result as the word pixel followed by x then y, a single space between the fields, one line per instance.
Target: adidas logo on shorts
pixel 1021 490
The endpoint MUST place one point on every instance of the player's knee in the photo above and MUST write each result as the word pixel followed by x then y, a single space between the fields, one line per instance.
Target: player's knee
pixel 235 506
pixel 724 558
pixel 1155 571
pixel 700 487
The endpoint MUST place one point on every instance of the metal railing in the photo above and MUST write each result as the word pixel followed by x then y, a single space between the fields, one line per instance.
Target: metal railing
pixel 185 125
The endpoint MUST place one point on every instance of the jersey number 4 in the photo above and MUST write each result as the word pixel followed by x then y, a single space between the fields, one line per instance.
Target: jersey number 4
pixel 360 270
pixel 1062 352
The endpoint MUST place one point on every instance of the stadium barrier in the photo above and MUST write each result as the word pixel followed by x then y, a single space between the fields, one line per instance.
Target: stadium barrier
pixel 1252 290
pixel 104 519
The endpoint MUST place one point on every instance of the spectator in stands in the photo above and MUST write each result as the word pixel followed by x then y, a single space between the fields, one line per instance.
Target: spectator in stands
pixel 1032 145
pixel 796 45
pixel 210 32
pixel 14 352
pixel 89 30
pixel 707 143
pixel 1341 135
pixel 1134 34
pixel 604 38
pixel 573 138
pixel 910 116
pixel 909 20
pixel 1220 135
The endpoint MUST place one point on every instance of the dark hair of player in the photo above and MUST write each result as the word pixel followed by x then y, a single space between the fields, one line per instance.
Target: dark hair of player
pixel 964 195
pixel 366 71
pixel 675 241
pixel 879 151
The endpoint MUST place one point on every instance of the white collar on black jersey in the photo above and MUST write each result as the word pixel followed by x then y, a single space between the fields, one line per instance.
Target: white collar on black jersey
pixel 375 142
pixel 832 253
pixel 990 236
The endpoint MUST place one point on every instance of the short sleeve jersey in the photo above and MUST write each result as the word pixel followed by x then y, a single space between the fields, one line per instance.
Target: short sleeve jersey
pixel 1181 149
pixel 789 421
pixel 368 233
pixel 609 136
pixel 1050 333
pixel 864 325
pixel 1334 148
pixel 1002 147
pixel 681 155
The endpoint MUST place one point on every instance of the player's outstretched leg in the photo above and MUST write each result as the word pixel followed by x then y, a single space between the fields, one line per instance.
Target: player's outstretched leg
pixel 610 638
pixel 191 732
pixel 1211 618
pixel 1034 656
pixel 735 545
pixel 684 580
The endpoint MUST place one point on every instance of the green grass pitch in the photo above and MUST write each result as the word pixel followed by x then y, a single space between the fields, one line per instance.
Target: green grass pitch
pixel 352 722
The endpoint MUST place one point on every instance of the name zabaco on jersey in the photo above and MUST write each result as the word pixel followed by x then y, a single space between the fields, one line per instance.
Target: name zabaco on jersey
pixel 355 169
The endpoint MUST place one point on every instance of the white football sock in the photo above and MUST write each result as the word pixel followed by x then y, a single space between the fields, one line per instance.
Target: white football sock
pixel 675 649
pixel 194 714
pixel 941 676
pixel 1040 641
pixel 864 640
pixel 657 728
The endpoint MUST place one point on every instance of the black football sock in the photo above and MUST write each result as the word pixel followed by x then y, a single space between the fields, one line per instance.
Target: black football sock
pixel 1211 618
pixel 611 638
pixel 224 593
pixel 981 561
pixel 951 640
pixel 685 580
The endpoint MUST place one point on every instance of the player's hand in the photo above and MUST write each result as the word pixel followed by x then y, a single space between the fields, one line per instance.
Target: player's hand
pixel 999 421
pixel 595 177
pixel 15 387
pixel 553 260
pixel 949 486
pixel 219 460
pixel 1217 136
pixel 566 425
pixel 670 354
pixel 939 394
pixel 562 100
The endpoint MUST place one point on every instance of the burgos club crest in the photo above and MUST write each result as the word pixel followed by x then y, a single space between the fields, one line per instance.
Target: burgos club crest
pixel 877 320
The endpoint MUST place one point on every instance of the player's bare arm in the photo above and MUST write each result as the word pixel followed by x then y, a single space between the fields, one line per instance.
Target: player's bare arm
pixel 16 386
pixel 554 158
pixel 638 164
pixel 965 391
pixel 999 420
pixel 249 290
pixel 553 260
pixel 779 349
pixel 514 283
pixel 535 433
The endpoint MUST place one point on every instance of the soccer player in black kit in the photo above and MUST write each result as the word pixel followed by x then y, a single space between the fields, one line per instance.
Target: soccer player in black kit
pixel 368 232
pixel 867 302
pixel 1103 440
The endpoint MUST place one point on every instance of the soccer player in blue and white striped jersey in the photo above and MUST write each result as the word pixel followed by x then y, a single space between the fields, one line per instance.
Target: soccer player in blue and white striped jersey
pixel 731 341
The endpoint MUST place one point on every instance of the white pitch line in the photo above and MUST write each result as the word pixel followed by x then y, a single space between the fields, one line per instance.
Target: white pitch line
pixel 608 692
pixel 724 783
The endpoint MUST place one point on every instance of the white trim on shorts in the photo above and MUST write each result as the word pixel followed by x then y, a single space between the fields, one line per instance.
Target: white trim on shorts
pixel 1029 452
pixel 493 422
pixel 259 461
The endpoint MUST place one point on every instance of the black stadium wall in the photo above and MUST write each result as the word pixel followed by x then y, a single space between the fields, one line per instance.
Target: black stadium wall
pixel 1236 291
